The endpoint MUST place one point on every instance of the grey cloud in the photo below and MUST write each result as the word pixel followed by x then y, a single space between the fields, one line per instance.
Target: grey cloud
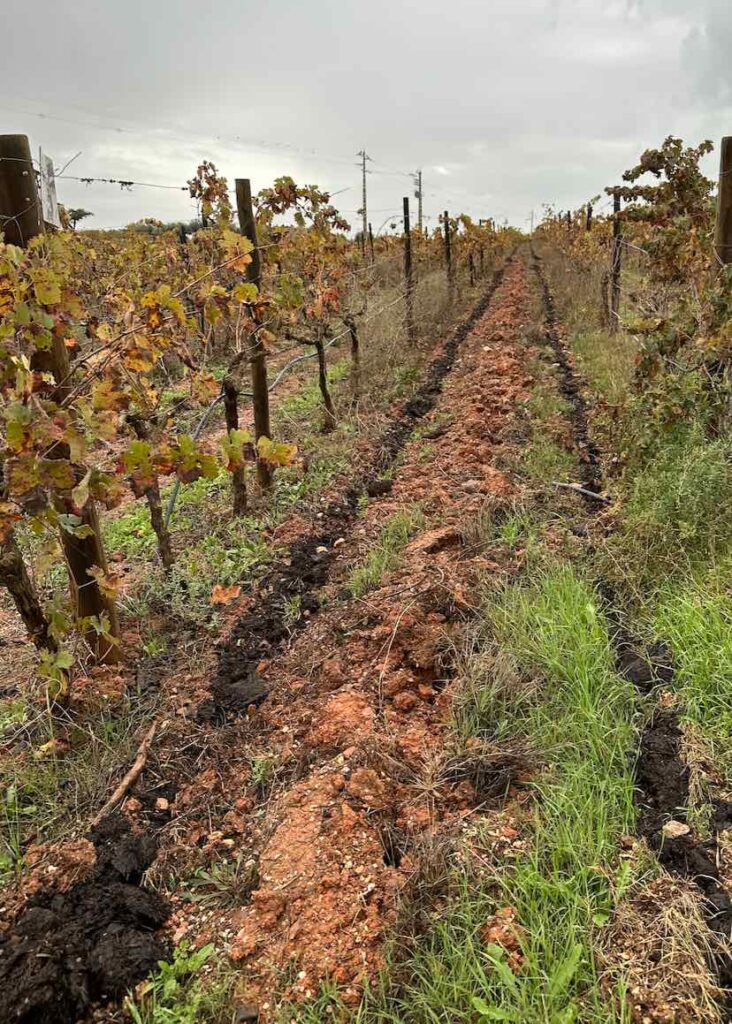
pixel 522 101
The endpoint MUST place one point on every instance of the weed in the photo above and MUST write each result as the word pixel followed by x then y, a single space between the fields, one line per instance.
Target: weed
pixel 384 556
pixel 607 361
pixel 292 610
pixel 11 836
pixel 544 461
pixel 226 885
pixel 43 794
pixel 405 378
pixel 156 645
pixel 176 995
pixel 12 712
pixel 326 1005
pixel 263 770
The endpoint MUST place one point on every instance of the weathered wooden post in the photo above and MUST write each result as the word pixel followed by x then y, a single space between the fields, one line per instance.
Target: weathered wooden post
pixel 448 253
pixel 21 217
pixel 257 354
pixel 616 265
pixel 723 225
pixel 408 274
pixel 231 416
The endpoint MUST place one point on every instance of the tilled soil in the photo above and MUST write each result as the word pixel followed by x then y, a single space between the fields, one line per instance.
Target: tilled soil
pixel 352 701
pixel 357 705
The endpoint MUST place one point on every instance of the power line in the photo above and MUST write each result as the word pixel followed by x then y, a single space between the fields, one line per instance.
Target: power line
pixel 186 134
pixel 122 182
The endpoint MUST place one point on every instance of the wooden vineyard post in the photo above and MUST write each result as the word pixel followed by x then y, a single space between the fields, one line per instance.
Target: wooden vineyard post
pixel 588 218
pixel 723 225
pixel 257 355
pixel 231 415
pixel 419 203
pixel 408 273
pixel 371 243
pixel 350 321
pixel 448 253
pixel 616 265
pixel 22 219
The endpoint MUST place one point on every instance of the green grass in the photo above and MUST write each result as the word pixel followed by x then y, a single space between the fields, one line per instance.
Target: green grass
pixel 697 622
pixel 176 994
pixel 308 400
pixel 544 461
pixel 579 714
pixel 384 556
pixel 607 361
pixel 41 795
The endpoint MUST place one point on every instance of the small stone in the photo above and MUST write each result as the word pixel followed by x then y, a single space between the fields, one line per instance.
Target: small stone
pixel 246 1012
pixel 675 829
pixel 161 804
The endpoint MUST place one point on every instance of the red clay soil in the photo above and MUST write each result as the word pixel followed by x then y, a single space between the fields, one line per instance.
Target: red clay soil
pixel 359 704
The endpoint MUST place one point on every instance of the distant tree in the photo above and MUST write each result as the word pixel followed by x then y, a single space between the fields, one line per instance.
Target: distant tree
pixel 77 213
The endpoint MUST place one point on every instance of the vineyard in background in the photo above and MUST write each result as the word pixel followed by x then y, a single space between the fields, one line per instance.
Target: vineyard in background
pixel 130 360
pixel 647 289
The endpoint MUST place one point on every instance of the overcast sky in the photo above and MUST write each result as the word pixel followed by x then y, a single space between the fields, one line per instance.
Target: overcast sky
pixel 504 104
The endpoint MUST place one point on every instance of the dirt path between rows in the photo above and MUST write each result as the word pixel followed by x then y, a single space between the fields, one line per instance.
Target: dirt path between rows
pixel 358 704
pixel 351 713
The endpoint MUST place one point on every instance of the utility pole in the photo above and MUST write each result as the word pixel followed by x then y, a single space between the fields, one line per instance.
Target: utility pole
pixel 418 197
pixel 364 212
pixel 257 355
pixel 723 226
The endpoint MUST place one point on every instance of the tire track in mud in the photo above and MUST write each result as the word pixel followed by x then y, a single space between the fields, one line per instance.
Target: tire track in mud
pixel 661 774
pixel 70 949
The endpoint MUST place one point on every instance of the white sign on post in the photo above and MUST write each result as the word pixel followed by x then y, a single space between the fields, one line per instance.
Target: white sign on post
pixel 49 205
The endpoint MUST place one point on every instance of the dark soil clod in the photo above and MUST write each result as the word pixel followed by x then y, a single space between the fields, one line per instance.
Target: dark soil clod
pixel 70 950
pixel 662 776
